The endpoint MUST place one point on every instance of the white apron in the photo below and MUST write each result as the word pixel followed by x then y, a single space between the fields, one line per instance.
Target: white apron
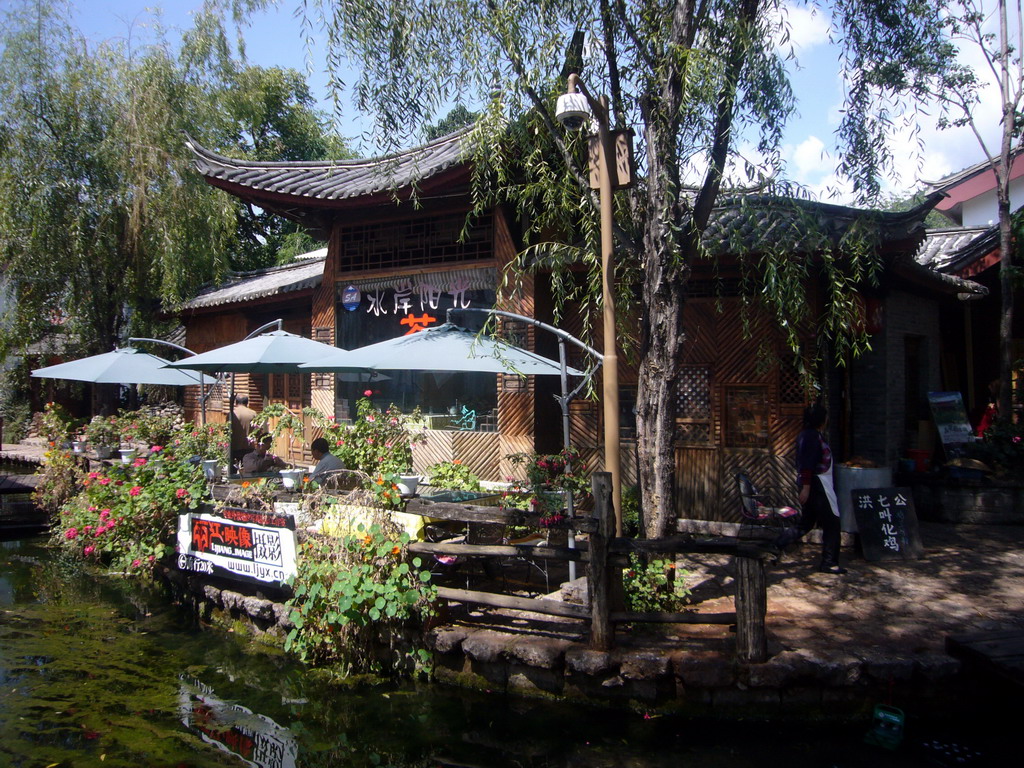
pixel 830 489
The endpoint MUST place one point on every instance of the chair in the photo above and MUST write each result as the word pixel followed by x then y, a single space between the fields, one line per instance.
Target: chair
pixel 759 508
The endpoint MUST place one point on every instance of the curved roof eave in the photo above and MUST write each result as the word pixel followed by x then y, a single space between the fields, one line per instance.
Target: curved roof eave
pixel 331 184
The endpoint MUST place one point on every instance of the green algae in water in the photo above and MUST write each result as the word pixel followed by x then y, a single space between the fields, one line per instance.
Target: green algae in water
pixel 97 671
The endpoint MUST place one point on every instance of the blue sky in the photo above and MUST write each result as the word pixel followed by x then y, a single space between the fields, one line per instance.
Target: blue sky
pixel 273 39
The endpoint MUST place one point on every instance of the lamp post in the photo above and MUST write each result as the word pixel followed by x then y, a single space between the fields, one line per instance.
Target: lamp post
pixel 575 109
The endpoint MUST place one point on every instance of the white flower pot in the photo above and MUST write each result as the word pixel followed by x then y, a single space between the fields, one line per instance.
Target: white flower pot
pixel 211 468
pixel 127 455
pixel 292 478
pixel 78 446
pixel 407 484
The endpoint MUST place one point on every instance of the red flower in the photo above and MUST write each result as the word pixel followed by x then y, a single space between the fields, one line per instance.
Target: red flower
pixel 135 490
pixel 70 533
pixel 181 493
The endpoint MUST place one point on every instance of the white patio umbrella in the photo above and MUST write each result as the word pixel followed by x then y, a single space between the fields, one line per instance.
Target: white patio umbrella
pixel 444 348
pixel 273 352
pixel 122 366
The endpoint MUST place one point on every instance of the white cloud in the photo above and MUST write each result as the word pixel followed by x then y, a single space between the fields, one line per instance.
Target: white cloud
pixel 808 27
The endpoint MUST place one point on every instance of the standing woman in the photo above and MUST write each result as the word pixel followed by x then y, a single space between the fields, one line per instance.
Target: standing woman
pixel 817 492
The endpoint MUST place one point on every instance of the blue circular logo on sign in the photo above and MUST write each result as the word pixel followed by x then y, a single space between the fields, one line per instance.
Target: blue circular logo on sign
pixel 350 298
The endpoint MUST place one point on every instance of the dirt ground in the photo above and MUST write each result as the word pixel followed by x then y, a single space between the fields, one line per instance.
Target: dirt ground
pixel 970 578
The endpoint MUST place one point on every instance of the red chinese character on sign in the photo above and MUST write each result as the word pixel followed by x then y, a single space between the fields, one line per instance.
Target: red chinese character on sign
pixel 417 323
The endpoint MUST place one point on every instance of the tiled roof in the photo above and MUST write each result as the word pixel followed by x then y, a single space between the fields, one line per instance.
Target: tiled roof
pixel 335 180
pixel 941 247
pixel 307 273
pixel 762 222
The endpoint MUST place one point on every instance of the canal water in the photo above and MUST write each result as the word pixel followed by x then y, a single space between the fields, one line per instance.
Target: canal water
pixel 95 671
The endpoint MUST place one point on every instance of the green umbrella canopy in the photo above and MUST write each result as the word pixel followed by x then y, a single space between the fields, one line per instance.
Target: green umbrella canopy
pixel 273 352
pixel 443 348
pixel 122 366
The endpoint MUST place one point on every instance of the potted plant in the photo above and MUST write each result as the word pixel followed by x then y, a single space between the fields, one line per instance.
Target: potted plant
pixel 104 435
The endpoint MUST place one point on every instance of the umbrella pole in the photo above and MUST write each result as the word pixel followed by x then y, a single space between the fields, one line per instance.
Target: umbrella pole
pixel 563 402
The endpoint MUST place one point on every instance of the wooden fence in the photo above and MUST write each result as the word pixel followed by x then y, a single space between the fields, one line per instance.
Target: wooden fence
pixel 605 558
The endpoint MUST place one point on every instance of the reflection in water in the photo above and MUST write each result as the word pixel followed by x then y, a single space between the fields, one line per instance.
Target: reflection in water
pixel 95 671
pixel 256 739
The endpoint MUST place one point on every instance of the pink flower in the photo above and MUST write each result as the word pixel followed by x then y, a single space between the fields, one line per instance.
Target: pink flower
pixel 367 393
pixel 104 481
pixel 104 514
pixel 70 533
pixel 136 563
pixel 181 493
pixel 93 475
pixel 139 462
pixel 156 448
pixel 1016 439
pixel 89 550
pixel 135 490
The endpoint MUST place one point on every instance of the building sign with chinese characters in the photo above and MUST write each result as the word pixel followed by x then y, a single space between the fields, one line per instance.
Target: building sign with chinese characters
pixel 887 523
pixel 240 544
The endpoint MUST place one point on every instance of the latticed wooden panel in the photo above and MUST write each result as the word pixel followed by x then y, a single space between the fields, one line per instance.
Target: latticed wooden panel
pixel 435 448
pixel 415 242
pixel 584 424
pixel 480 451
pixel 694 424
pixel 509 444
pixel 697 482
pixel 515 413
pixel 771 474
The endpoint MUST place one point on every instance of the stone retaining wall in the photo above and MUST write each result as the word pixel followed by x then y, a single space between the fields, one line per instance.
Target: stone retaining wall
pixel 801 685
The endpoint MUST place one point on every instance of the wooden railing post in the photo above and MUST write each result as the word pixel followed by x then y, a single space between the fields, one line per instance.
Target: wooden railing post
pixel 599 571
pixel 751 607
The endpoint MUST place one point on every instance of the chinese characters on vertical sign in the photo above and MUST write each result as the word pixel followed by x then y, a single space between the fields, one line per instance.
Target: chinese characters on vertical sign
pixel 887 523
pixel 418 306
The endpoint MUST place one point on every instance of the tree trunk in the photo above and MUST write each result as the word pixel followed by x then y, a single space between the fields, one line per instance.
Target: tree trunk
pixel 662 335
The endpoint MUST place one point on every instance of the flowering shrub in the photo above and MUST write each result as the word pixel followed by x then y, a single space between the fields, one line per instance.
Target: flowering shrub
pixel 376 442
pixel 126 514
pixel 454 475
pixel 550 477
pixel 1001 447
pixel 355 594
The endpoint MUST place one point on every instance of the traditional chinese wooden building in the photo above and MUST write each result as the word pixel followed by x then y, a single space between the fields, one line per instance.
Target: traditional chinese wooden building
pixel 401 253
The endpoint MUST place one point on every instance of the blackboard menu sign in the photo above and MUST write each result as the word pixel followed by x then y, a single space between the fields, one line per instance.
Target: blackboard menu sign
pixel 887 523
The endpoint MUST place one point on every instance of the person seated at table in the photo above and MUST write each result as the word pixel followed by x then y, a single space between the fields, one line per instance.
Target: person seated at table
pixel 326 462
pixel 259 461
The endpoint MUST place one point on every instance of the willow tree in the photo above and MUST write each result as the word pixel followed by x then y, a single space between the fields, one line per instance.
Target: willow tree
pixel 103 222
pixel 690 76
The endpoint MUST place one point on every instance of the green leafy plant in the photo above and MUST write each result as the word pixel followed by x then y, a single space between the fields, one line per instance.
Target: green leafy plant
pixel 103 430
pixel 59 482
pixel 207 441
pixel 277 419
pixel 655 585
pixel 357 593
pixel 453 475
pixel 56 424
